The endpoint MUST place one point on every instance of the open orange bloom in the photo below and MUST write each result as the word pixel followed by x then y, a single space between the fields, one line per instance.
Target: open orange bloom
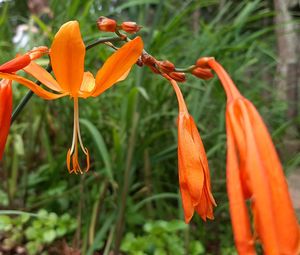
pixel 67 59
pixel 254 172
pixel 194 178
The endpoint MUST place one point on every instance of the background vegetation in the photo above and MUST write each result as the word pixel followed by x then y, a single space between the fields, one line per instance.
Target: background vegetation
pixel 130 130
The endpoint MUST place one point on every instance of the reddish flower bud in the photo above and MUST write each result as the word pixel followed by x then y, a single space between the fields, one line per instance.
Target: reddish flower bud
pixel 139 62
pixel 106 24
pixel 154 69
pixel 179 77
pixel 130 27
pixel 202 73
pixel 166 66
pixel 203 62
pixel 148 60
pixel 37 52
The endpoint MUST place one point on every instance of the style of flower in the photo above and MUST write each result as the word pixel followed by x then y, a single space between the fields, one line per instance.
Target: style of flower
pixel 67 55
pixel 254 172
pixel 12 66
pixel 194 176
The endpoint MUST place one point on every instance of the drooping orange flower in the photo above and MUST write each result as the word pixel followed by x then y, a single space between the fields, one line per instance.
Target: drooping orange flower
pixel 194 177
pixel 67 59
pixel 254 172
pixel 12 66
pixel 5 112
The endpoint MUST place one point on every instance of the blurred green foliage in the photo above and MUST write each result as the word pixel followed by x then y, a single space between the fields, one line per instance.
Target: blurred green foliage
pixel 130 130
pixel 161 238
pixel 35 233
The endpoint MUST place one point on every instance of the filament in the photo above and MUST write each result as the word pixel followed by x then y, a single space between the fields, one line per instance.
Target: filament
pixel 72 155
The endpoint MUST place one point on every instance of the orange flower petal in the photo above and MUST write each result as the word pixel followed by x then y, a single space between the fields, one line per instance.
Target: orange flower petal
pixel 87 86
pixel 31 85
pixel 43 76
pixel 5 112
pixel 238 210
pixel 191 163
pixel 262 201
pixel 15 64
pixel 116 66
pixel 67 57
pixel 286 223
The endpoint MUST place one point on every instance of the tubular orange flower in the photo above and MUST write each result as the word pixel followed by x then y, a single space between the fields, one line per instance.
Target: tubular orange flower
pixel 5 112
pixel 255 172
pixel 194 178
pixel 12 66
pixel 67 60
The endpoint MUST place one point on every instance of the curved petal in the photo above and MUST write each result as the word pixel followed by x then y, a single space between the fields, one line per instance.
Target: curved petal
pixel 31 85
pixel 43 76
pixel 15 64
pixel 87 85
pixel 5 112
pixel 67 57
pixel 118 65
pixel 238 211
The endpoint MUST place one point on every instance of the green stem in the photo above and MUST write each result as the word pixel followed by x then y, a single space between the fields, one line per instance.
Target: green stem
pixel 103 40
pixel 185 70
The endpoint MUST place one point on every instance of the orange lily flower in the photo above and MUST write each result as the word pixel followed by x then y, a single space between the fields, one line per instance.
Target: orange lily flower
pixel 5 112
pixel 67 59
pixel 254 172
pixel 12 66
pixel 194 178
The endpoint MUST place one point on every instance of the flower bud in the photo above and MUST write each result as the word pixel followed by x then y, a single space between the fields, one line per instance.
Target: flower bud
pixel 166 66
pixel 37 52
pixel 179 77
pixel 154 69
pixel 203 62
pixel 139 62
pixel 106 24
pixel 202 73
pixel 148 60
pixel 130 27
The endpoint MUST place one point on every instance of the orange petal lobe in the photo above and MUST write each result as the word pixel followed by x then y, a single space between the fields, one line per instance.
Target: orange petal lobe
pixel 5 112
pixel 237 205
pixel 67 57
pixel 31 85
pixel 118 65
pixel 43 76
pixel 15 64
pixel 87 86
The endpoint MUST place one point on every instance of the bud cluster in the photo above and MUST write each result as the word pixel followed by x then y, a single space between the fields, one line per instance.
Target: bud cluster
pixel 202 70
pixel 110 25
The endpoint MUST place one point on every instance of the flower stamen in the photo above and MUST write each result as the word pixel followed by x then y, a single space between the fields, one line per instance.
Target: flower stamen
pixel 72 155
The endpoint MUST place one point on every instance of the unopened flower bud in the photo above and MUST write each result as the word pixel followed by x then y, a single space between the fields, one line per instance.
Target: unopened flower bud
pixel 130 27
pixel 180 77
pixel 154 69
pixel 166 66
pixel 148 60
pixel 139 62
pixel 37 52
pixel 203 62
pixel 202 73
pixel 106 24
